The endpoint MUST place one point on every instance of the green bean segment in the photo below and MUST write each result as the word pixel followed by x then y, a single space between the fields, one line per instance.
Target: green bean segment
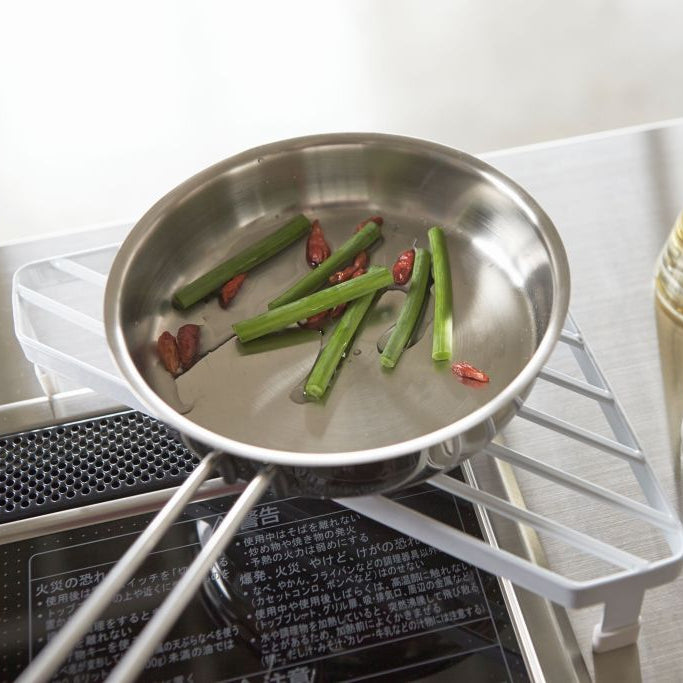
pixel 337 259
pixel 245 260
pixel 442 339
pixel 410 311
pixel 376 278
pixel 334 350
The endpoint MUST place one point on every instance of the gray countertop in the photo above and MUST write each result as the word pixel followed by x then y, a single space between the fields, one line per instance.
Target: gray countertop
pixel 613 198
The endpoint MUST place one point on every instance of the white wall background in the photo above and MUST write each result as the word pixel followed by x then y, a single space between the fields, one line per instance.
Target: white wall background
pixel 106 106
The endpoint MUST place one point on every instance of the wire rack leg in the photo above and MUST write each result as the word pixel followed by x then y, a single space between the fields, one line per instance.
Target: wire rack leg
pixel 620 624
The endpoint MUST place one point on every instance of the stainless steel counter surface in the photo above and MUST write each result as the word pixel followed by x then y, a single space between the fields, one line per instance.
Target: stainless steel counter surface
pixel 614 198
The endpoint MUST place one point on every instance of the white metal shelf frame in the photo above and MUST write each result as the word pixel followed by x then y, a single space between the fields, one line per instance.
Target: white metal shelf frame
pixel 621 591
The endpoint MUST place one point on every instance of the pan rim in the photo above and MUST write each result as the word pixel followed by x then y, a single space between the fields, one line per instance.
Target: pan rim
pixel 508 395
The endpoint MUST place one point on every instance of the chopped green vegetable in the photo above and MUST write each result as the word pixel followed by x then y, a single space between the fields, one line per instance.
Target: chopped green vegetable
pixel 334 350
pixel 240 263
pixel 442 340
pixel 410 312
pixel 376 278
pixel 319 275
pixel 291 336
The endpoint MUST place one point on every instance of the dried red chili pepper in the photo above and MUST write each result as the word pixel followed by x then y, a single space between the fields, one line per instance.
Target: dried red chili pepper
pixel 403 268
pixel 317 249
pixel 188 345
pixel 346 274
pixel 315 322
pixel 374 219
pixel 467 371
pixel 342 275
pixel 230 288
pixel 337 311
pixel 167 349
pixel 361 260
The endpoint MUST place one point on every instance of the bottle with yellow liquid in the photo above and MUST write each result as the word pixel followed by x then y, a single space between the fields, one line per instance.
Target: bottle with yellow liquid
pixel 669 318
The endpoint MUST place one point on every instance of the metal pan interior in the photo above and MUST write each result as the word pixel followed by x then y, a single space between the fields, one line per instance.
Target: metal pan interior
pixel 510 294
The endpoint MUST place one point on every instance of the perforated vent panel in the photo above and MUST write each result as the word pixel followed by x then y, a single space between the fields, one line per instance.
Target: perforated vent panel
pixel 87 462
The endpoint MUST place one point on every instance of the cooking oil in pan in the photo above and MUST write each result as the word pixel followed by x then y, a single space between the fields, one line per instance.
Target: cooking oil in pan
pixel 669 318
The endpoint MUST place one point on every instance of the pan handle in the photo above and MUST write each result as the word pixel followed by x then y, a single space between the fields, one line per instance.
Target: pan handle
pixel 43 667
pixel 167 614
pixel 57 650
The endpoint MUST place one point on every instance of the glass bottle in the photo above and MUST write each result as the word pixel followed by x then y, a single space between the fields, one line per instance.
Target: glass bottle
pixel 669 319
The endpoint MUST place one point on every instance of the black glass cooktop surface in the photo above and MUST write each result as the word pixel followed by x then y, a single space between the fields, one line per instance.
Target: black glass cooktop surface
pixel 308 591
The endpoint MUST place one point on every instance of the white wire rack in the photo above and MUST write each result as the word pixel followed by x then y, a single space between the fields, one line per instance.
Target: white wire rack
pixel 624 576
pixel 57 315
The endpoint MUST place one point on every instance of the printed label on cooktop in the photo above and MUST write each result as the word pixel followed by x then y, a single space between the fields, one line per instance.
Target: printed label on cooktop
pixel 308 591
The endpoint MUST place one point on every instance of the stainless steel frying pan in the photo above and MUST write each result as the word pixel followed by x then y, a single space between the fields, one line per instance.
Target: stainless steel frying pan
pixel 510 289
pixel 377 430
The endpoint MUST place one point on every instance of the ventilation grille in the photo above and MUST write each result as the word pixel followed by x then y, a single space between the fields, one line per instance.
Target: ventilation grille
pixel 75 464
